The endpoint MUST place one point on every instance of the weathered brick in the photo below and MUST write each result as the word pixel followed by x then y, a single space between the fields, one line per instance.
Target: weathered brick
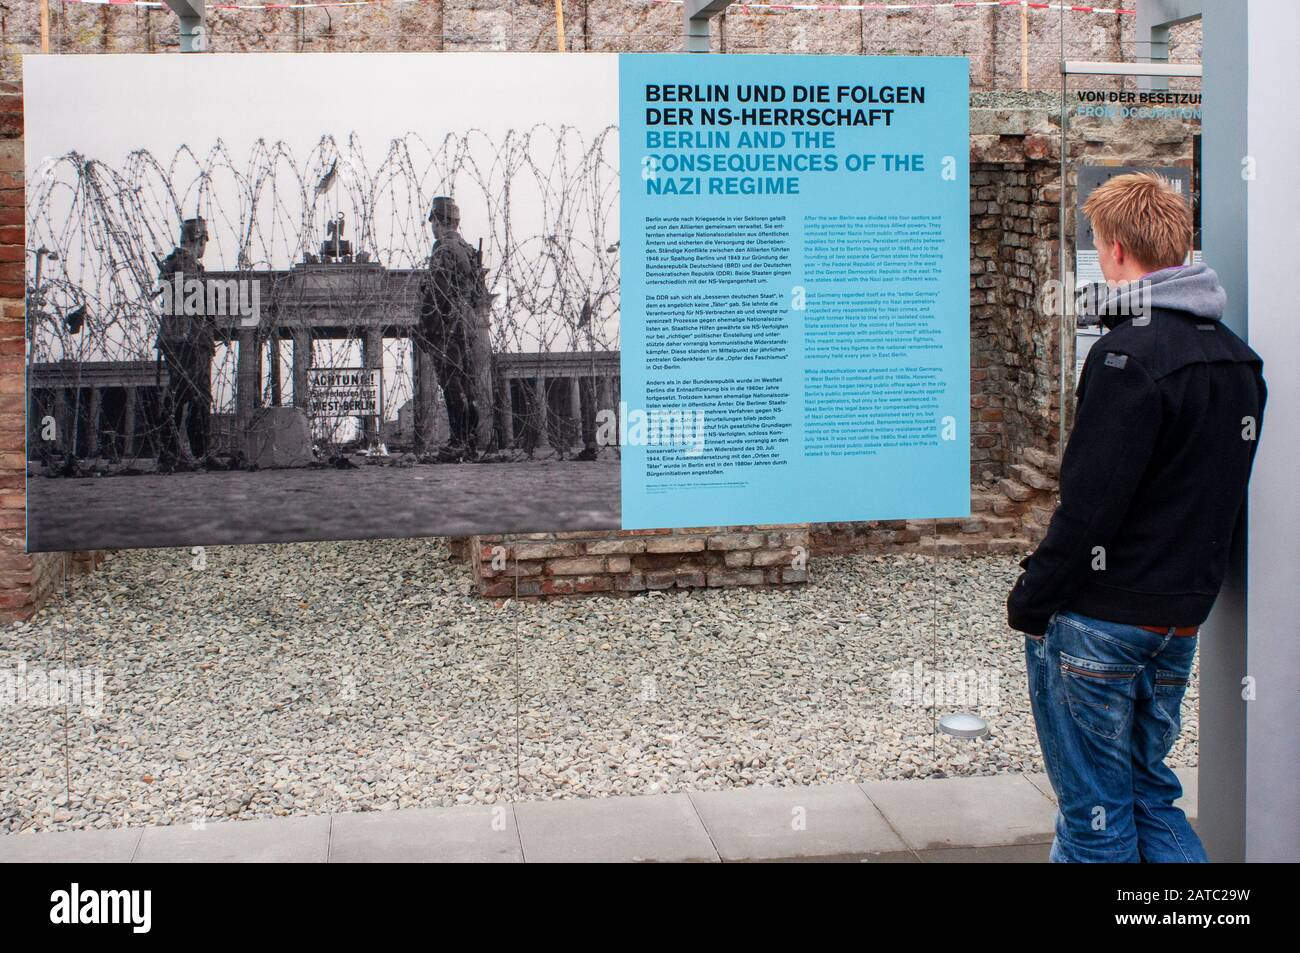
pixel 773 557
pixel 1014 490
pixel 579 566
pixel 609 546
pixel 630 582
pixel 735 577
pixel 496 589
pixel 691 578
pixel 543 550
pixel 675 544
pixel 532 567
pixel 738 541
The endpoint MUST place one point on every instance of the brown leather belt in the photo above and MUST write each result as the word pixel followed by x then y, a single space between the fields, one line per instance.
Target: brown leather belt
pixel 1181 630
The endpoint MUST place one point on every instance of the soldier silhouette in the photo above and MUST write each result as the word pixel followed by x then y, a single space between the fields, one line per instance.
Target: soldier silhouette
pixel 186 346
pixel 451 292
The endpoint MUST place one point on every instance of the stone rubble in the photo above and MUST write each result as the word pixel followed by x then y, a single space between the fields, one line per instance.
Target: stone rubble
pixel 359 676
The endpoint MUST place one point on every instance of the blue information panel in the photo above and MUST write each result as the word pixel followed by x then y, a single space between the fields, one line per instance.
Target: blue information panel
pixel 684 291
pixel 795 289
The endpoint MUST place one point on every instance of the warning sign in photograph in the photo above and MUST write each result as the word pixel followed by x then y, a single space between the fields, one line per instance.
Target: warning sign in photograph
pixel 345 392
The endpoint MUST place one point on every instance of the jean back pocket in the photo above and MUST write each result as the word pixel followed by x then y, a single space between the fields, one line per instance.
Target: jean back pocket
pixel 1100 694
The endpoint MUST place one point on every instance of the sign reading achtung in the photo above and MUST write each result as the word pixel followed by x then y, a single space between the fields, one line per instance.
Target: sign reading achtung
pixel 345 392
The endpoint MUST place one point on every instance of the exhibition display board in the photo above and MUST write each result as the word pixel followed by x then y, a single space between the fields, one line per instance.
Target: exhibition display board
pixel 657 291
pixel 795 272
pixel 1137 125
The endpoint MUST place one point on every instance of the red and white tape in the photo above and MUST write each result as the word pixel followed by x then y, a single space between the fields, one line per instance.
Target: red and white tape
pixel 955 5
pixel 742 7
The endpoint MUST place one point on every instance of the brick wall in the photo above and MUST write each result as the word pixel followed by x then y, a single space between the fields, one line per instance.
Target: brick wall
pixel 24 580
pixel 1008 515
pixel 1014 346
pixel 623 563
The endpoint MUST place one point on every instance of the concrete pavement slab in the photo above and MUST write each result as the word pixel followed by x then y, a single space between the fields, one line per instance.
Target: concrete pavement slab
pixel 965 812
pixel 949 820
pixel 274 840
pixel 799 823
pixel 81 847
pixel 466 834
pixel 655 827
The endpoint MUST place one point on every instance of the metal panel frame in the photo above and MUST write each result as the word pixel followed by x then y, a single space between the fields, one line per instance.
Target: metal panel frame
pixel 697 16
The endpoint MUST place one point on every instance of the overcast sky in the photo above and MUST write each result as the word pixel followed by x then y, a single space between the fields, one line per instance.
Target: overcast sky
pixel 105 106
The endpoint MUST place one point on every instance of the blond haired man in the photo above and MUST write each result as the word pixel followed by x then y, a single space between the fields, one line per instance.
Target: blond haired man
pixel 1153 480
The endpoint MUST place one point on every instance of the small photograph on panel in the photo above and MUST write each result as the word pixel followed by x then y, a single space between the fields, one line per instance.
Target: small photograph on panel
pixel 320 297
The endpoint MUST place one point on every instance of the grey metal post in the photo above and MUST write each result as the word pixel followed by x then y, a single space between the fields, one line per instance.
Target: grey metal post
pixel 1154 18
pixel 696 15
pixel 193 32
pixel 1249 786
pixel 1222 772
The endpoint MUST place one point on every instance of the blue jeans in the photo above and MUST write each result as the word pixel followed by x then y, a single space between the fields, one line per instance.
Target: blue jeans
pixel 1106 700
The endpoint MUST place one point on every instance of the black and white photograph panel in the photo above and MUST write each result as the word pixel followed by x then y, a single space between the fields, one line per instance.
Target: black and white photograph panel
pixel 323 297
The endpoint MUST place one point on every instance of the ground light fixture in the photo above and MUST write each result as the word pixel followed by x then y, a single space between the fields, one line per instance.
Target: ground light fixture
pixel 963 725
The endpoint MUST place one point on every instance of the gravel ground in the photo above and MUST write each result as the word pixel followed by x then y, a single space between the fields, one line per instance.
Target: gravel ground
pixel 307 678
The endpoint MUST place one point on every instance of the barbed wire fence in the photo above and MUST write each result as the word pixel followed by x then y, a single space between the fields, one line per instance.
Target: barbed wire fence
pixel 341 248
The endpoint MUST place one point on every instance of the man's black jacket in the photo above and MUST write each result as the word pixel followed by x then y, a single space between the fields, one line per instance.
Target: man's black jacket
pixel 1153 479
